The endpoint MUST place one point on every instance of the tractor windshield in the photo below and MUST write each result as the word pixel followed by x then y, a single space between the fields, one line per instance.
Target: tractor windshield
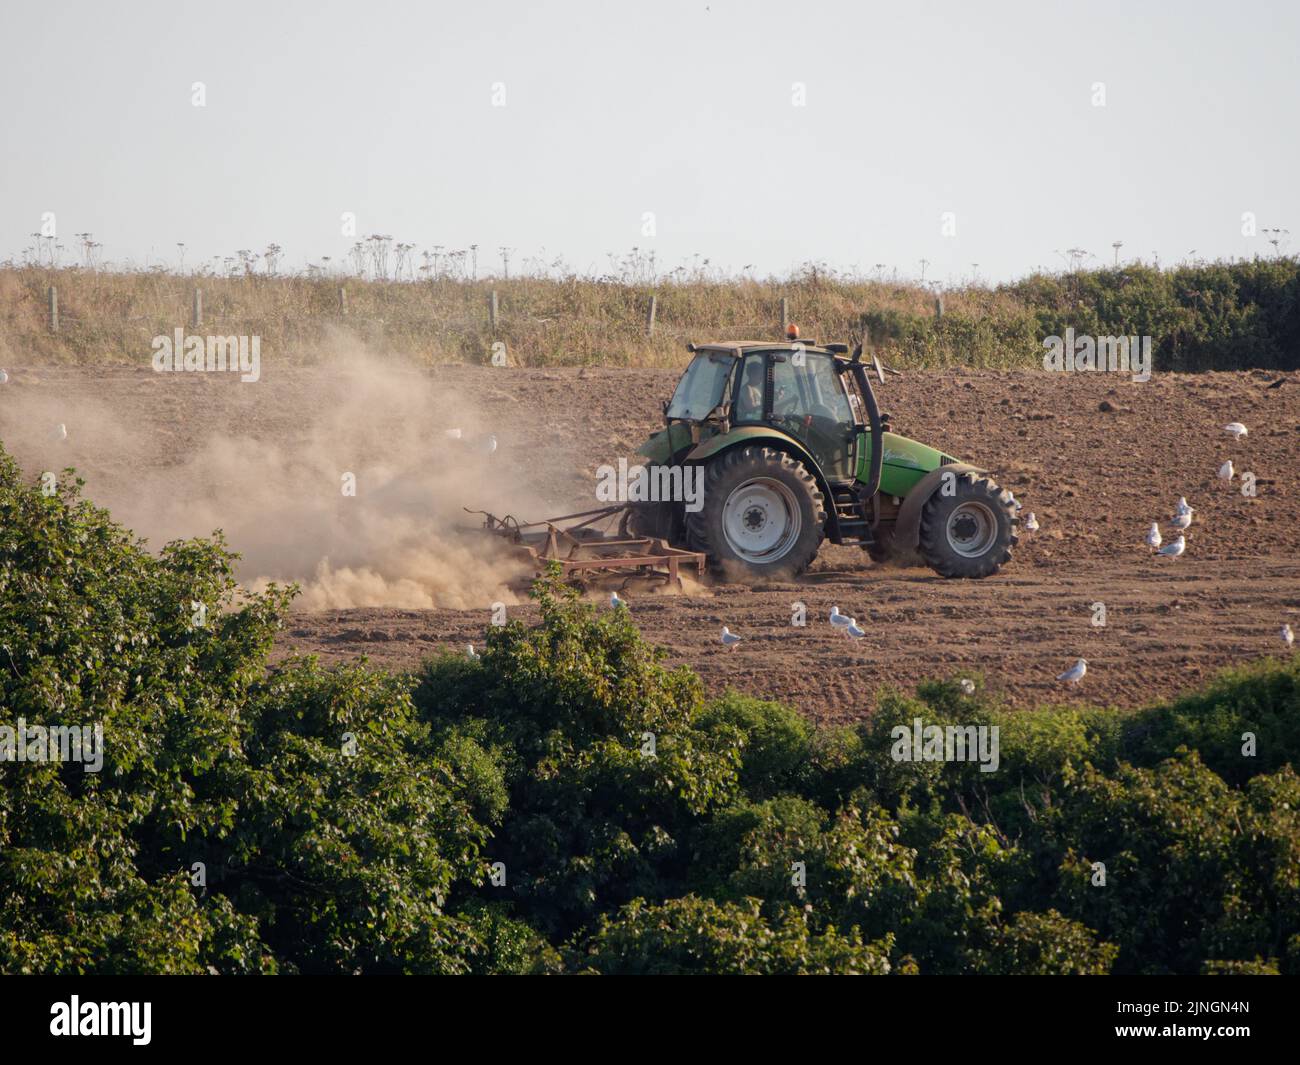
pixel 702 386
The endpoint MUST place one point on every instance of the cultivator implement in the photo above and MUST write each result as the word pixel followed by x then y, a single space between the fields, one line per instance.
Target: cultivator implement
pixel 587 547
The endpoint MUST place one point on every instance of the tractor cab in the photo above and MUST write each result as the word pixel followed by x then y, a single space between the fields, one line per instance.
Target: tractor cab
pixel 799 389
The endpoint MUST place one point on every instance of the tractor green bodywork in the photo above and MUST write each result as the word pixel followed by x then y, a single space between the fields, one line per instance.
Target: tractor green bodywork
pixel 905 461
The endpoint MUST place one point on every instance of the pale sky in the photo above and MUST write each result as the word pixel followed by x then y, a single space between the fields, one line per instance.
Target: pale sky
pixel 684 110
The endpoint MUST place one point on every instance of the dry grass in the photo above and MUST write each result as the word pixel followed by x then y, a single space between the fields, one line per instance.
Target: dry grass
pixel 112 317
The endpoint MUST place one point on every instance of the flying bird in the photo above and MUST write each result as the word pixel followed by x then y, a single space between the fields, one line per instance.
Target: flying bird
pixel 1174 549
pixel 1031 523
pixel 1226 471
pixel 1288 637
pixel 1154 538
pixel 1075 673
pixel 729 639
pixel 470 653
pixel 1236 429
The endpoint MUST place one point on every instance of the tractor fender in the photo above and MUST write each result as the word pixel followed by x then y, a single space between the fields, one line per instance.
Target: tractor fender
pixel 759 434
pixel 753 434
pixel 907 528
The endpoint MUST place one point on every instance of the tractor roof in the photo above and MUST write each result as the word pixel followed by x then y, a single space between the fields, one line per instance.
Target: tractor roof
pixel 742 347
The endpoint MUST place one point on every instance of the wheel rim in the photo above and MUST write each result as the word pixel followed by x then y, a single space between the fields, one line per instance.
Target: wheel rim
pixel 972 529
pixel 761 520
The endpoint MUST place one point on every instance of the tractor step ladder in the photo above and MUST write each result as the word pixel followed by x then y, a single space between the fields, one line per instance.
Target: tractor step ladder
pixel 854 527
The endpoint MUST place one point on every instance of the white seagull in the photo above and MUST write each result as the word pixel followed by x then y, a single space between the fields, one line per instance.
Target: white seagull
pixel 452 434
pixel 615 602
pixel 1236 429
pixel 1226 471
pixel 60 432
pixel 1181 521
pixel 729 639
pixel 1288 637
pixel 1182 507
pixel 1154 538
pixel 4 378
pixel 1031 523
pixel 489 445
pixel 853 631
pixel 840 621
pixel 471 653
pixel 1174 549
pixel 1075 673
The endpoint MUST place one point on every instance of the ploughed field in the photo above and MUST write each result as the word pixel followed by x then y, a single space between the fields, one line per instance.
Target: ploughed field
pixel 1094 456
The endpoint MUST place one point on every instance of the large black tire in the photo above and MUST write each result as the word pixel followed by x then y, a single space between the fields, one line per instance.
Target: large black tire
pixel 971 532
pixel 748 493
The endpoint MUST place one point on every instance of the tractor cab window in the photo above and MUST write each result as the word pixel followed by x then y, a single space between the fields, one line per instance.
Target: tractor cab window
pixel 749 397
pixel 702 387
pixel 809 402
pixel 855 399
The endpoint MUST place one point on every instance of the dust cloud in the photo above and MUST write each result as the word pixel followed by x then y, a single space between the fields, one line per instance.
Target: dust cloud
pixel 268 463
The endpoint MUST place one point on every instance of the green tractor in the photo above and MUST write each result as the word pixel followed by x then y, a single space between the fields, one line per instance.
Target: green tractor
pixel 794 451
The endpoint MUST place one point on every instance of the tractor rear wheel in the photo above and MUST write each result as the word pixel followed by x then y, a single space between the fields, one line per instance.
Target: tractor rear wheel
pixel 763 513
pixel 971 532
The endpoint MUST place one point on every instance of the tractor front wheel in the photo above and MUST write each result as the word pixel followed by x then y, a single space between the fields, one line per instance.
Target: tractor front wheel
pixel 763 514
pixel 969 532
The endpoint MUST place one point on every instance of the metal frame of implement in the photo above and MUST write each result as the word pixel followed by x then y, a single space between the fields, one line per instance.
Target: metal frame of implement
pixel 582 548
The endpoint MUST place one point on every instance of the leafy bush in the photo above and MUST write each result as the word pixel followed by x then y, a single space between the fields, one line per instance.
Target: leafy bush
pixel 693 935
pixel 608 762
pixel 308 857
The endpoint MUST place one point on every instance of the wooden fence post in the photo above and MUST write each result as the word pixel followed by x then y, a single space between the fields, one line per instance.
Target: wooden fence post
pixel 493 310
pixel 343 300
pixel 196 311
pixel 938 306
pixel 54 309
pixel 785 315
pixel 650 316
